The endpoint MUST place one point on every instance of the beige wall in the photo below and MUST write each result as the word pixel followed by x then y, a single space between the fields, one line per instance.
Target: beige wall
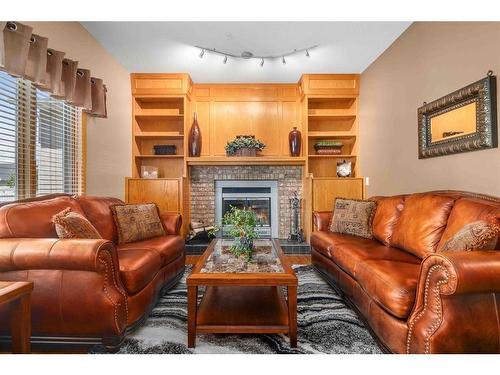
pixel 109 140
pixel 427 61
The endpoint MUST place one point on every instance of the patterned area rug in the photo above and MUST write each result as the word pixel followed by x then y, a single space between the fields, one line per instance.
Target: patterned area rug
pixel 325 325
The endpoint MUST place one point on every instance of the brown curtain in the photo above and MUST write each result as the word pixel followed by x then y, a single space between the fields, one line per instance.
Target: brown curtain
pixel 69 68
pixel 37 59
pixel 83 91
pixel 14 47
pixel 98 93
pixel 53 74
pixel 24 54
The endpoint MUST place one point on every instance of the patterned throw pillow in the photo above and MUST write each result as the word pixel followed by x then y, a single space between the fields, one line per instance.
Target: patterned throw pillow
pixel 353 217
pixel 479 235
pixel 70 224
pixel 136 222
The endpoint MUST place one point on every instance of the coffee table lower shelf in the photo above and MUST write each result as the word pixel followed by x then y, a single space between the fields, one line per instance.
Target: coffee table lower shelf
pixel 242 310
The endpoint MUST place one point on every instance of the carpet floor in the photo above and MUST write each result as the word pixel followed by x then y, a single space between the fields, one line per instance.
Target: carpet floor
pixel 325 324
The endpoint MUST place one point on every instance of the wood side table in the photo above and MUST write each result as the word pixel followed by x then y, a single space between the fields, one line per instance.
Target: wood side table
pixel 17 294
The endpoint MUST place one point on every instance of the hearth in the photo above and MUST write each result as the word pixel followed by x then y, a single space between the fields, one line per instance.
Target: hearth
pixel 258 196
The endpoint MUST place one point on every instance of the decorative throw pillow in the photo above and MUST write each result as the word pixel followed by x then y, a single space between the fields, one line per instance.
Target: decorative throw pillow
pixel 71 224
pixel 478 235
pixel 353 217
pixel 136 222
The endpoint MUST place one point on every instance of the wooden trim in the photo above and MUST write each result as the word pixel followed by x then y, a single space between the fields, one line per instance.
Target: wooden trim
pixel 84 152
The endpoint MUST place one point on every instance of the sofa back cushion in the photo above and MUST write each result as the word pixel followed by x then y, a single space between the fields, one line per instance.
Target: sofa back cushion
pixel 466 211
pixel 34 219
pixel 422 223
pixel 98 211
pixel 386 216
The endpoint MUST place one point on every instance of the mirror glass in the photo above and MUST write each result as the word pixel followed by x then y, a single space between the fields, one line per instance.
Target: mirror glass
pixel 453 124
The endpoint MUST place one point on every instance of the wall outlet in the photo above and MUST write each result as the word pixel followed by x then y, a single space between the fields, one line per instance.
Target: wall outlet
pixel 367 181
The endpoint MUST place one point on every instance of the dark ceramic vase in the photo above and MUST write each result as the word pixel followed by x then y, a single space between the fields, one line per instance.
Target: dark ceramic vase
pixel 295 141
pixel 194 142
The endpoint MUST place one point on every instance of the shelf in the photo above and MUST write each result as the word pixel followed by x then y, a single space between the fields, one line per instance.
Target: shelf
pixel 159 99
pixel 336 178
pixel 237 160
pixel 341 156
pixel 331 134
pixel 159 156
pixel 159 116
pixel 173 135
pixel 332 117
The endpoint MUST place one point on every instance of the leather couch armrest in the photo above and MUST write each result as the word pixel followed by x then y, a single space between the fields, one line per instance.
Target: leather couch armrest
pixel 449 280
pixel 322 219
pixel 172 222
pixel 53 253
pixel 102 287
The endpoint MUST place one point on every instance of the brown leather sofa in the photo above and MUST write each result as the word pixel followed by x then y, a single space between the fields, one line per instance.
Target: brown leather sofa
pixel 414 297
pixel 85 291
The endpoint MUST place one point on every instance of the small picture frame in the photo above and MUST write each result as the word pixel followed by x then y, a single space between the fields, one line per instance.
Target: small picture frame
pixel 149 172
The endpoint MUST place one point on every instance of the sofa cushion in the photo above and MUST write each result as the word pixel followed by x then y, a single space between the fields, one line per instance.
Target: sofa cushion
pixel 137 222
pixel 391 284
pixel 351 216
pixel 348 251
pixel 386 216
pixel 70 224
pixel 466 211
pixel 137 268
pixel 168 247
pixel 422 223
pixel 98 211
pixel 34 219
pixel 478 235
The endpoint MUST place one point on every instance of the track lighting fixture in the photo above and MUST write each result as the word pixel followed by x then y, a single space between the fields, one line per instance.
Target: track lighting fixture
pixel 247 55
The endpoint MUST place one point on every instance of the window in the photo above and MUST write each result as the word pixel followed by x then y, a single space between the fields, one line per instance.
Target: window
pixel 40 142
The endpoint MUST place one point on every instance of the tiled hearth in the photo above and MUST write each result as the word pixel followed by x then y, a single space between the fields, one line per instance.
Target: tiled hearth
pixel 289 179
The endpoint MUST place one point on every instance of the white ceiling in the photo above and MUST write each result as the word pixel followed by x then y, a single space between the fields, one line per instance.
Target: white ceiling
pixel 344 47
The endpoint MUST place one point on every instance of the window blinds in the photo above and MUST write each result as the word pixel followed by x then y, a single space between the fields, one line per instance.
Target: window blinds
pixel 40 142
pixel 10 111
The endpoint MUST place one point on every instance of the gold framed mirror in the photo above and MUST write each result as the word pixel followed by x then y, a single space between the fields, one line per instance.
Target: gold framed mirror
pixel 462 121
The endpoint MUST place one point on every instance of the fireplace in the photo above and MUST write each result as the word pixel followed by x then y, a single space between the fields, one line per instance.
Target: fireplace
pixel 258 196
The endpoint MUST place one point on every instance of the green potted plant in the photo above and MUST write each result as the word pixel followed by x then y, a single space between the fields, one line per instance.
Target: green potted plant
pixel 242 225
pixel 244 145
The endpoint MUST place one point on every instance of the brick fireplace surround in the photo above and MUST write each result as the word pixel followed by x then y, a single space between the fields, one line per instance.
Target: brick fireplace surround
pixel 203 179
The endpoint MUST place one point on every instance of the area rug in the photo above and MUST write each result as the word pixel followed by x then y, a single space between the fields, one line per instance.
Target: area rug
pixel 325 324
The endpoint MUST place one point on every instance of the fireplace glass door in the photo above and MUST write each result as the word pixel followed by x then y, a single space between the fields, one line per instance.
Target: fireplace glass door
pixel 261 206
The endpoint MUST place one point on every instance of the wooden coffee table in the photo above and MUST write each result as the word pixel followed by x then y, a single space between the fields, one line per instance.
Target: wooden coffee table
pixel 17 294
pixel 242 297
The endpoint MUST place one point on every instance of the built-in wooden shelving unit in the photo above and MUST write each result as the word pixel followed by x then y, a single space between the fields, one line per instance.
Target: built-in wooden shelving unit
pixel 160 116
pixel 321 106
pixel 330 113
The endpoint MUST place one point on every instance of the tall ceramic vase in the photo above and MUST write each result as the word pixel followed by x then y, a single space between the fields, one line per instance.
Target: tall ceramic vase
pixel 194 142
pixel 295 141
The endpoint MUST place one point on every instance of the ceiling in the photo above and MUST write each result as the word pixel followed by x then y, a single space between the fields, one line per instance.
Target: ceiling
pixel 343 47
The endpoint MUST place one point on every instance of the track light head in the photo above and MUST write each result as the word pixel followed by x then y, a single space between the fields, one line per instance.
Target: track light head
pixel 307 53
pixel 225 60
pixel 283 60
pixel 262 62
pixel 201 53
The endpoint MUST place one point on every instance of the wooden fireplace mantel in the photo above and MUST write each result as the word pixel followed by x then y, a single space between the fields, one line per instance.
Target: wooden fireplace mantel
pixel 255 160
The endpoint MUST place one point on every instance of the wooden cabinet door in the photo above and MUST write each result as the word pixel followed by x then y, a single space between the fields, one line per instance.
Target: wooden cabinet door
pixel 325 190
pixel 166 193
